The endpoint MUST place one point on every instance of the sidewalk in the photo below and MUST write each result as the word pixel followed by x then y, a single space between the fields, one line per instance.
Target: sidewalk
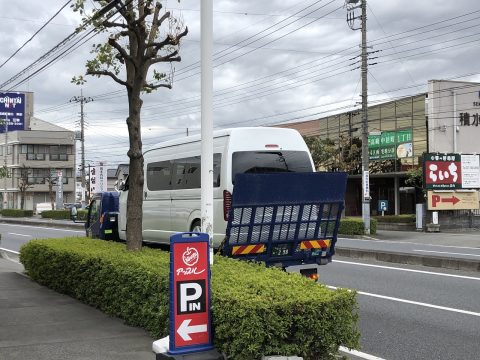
pixel 38 323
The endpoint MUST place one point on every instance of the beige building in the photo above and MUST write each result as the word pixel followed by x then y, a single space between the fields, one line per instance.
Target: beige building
pixel 34 156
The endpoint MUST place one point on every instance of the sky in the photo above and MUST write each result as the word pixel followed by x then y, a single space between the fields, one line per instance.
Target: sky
pixel 274 62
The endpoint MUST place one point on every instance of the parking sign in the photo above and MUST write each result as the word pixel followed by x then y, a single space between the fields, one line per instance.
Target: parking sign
pixel 190 320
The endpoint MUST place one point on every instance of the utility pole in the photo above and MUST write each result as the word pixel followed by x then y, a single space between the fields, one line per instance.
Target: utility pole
pixel 82 100
pixel 351 5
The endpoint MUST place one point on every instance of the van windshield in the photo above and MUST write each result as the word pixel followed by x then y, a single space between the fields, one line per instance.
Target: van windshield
pixel 270 161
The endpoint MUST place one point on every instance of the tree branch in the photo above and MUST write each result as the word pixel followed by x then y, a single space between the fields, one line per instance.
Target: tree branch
pixel 112 42
pixel 154 87
pixel 108 73
pixel 109 24
pixel 167 58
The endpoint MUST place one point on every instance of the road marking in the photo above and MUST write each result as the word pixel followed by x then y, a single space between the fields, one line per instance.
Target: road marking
pixel 43 227
pixel 465 312
pixel 446 252
pixel 412 243
pixel 408 270
pixel 359 354
pixel 19 234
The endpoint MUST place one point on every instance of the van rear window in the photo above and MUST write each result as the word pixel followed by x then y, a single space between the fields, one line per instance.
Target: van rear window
pixel 270 161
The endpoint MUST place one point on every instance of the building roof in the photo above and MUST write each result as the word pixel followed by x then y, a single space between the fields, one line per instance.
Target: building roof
pixel 38 124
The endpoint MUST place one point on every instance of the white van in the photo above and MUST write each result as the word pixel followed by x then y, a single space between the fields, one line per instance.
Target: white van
pixel 172 177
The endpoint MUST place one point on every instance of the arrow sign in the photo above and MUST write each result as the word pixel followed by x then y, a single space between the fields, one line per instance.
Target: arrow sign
pixel 185 329
pixel 452 200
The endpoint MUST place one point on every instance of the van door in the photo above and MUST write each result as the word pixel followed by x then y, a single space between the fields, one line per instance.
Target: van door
pixel 92 225
pixel 157 202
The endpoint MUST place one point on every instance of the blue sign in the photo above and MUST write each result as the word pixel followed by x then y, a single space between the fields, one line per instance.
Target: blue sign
pixel 382 205
pixel 12 110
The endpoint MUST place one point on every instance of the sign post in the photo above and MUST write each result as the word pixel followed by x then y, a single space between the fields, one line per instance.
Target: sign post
pixel 190 315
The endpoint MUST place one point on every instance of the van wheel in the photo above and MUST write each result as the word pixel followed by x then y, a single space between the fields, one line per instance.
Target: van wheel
pixel 196 226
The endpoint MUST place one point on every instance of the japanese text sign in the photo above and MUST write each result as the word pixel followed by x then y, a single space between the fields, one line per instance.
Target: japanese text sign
pixel 451 171
pixel 390 145
pixel 12 110
pixel 190 319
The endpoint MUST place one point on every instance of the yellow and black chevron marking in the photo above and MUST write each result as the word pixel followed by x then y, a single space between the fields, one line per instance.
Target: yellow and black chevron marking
pixel 248 249
pixel 315 244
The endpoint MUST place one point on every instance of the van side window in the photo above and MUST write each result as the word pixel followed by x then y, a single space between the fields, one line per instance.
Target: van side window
pixel 159 176
pixel 187 172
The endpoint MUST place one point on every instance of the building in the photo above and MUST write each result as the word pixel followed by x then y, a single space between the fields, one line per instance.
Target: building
pixel 443 119
pixel 34 153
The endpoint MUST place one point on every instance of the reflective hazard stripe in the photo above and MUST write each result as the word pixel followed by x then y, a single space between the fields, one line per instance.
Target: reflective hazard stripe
pixel 248 249
pixel 315 244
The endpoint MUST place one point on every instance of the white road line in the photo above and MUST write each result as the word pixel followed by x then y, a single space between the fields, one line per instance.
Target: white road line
pixel 19 234
pixel 408 270
pixel 411 243
pixel 359 354
pixel 465 312
pixel 446 252
pixel 44 227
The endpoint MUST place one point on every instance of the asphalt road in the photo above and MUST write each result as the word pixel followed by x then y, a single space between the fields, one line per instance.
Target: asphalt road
pixel 462 245
pixel 15 235
pixel 409 312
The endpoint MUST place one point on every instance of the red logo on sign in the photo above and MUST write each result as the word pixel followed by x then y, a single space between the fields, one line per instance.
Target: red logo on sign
pixel 190 256
pixel 443 173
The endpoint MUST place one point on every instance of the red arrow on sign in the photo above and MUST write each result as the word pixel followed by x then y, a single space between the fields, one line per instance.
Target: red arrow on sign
pixel 453 200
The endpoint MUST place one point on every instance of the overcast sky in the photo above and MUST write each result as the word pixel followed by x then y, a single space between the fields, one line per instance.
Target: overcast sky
pixel 276 61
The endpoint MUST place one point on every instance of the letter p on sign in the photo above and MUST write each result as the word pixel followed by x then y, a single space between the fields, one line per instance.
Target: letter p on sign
pixel 435 200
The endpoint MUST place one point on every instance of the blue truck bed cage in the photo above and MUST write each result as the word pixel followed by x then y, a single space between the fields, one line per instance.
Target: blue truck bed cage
pixel 285 219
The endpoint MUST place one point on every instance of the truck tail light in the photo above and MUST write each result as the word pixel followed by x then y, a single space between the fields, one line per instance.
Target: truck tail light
pixel 227 204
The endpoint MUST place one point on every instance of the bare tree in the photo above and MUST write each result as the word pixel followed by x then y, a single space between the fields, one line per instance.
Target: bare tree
pixel 50 181
pixel 135 45
pixel 24 184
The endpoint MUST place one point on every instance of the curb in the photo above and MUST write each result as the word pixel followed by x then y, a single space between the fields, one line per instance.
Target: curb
pixel 406 258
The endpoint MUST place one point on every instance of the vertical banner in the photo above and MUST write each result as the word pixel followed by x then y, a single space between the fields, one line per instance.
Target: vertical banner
pixel 12 110
pixel 98 177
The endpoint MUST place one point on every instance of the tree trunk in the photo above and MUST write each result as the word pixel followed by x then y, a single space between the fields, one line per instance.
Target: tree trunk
pixel 135 176
pixel 22 201
pixel 50 192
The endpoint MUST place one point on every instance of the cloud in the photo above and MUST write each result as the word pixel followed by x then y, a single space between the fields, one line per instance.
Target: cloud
pixel 275 63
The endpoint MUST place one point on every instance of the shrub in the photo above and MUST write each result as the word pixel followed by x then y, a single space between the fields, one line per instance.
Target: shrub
pixel 63 214
pixel 354 226
pixel 17 213
pixel 255 310
pixel 406 218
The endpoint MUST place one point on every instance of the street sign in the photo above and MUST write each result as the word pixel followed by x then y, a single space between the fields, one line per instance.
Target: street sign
pixel 452 200
pixel 190 318
pixel 382 205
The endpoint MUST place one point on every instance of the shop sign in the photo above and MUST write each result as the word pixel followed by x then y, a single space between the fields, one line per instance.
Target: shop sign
pixel 387 145
pixel 452 200
pixel 451 171
pixel 12 110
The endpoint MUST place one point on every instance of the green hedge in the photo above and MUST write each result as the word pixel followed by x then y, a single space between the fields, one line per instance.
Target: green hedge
pixel 63 214
pixel 255 310
pixel 16 213
pixel 354 226
pixel 406 218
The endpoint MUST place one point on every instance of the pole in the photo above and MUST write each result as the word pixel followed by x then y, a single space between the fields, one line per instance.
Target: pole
pixel 365 170
pixel 81 99
pixel 206 29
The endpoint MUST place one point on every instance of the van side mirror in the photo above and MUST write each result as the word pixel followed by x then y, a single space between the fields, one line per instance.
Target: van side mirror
pixel 73 213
